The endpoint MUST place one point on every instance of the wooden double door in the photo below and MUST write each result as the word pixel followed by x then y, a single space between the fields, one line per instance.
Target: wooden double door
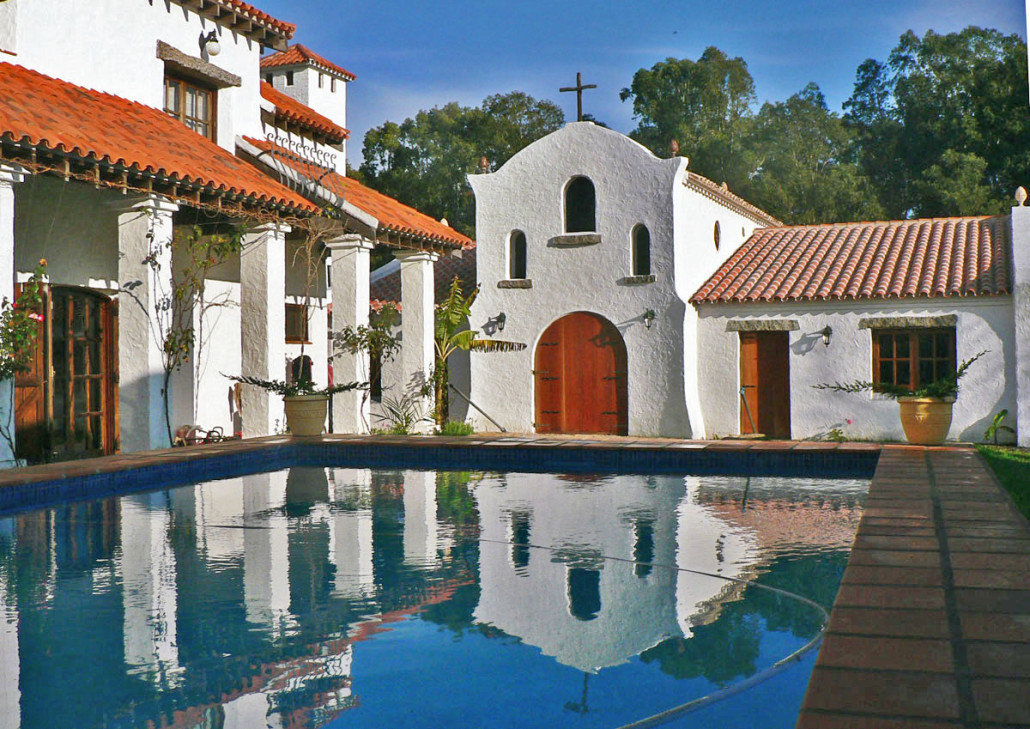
pixel 579 370
pixel 765 384
pixel 66 405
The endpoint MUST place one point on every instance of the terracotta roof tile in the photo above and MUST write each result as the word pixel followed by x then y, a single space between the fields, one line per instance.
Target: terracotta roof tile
pixel 292 110
pixel 386 287
pixel 394 217
pixel 881 260
pixel 297 55
pixel 52 115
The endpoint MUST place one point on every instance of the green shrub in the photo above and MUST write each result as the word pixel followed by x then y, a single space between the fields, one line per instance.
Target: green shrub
pixel 456 427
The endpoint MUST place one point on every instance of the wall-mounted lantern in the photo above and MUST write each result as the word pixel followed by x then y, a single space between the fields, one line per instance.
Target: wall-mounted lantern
pixel 209 43
pixel 827 332
pixel 649 316
pixel 501 319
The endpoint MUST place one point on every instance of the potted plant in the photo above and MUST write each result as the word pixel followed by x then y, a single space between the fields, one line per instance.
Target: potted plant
pixel 305 404
pixel 925 411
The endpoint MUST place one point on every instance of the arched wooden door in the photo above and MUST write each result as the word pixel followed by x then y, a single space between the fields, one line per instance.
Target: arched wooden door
pixel 580 376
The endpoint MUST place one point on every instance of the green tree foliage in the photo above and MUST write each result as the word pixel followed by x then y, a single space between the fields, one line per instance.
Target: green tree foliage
pixel 704 105
pixel 943 126
pixel 802 173
pixel 424 161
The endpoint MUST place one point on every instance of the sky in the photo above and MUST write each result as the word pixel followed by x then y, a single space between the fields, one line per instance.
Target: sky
pixel 416 55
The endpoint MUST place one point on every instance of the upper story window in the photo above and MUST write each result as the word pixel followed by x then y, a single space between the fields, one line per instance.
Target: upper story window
pixel 297 324
pixel 332 85
pixel 321 80
pixel 289 78
pixel 912 358
pixel 580 206
pixel 268 79
pixel 517 255
pixel 717 235
pixel 641 251
pixel 193 105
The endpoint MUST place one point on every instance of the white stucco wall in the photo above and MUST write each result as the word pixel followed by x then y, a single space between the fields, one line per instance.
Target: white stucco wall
pixel 983 324
pixel 93 44
pixel 632 186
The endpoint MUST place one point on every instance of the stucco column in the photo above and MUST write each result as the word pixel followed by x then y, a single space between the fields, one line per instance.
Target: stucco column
pixel 416 355
pixel 10 174
pixel 351 265
pixel 1021 312
pixel 420 517
pixel 263 325
pixel 145 277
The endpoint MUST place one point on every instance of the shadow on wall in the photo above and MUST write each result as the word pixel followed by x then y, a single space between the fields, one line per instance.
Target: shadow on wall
pixel 674 415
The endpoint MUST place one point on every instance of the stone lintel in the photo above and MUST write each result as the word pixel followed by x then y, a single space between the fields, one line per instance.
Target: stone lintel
pixel 197 68
pixel 636 280
pixel 572 240
pixel 762 325
pixel 515 283
pixel 908 322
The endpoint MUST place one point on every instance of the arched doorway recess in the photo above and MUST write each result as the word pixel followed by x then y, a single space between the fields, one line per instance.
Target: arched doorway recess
pixel 579 371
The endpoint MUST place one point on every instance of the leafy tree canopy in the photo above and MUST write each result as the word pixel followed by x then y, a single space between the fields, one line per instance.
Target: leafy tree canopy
pixel 423 161
pixel 943 126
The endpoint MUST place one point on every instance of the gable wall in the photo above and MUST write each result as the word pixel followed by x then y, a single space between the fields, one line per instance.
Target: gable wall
pixel 632 186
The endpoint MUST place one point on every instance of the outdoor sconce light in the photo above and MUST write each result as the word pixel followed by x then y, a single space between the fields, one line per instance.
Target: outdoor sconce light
pixel 649 316
pixel 210 43
pixel 501 318
pixel 826 332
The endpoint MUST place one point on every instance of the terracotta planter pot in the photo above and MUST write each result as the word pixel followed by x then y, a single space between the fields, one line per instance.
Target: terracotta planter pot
pixel 926 420
pixel 305 414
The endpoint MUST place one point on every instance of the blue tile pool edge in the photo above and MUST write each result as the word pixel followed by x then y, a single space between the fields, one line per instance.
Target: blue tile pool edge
pixel 200 466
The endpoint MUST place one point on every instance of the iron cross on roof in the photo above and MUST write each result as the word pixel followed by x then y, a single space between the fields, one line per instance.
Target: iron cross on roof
pixel 579 88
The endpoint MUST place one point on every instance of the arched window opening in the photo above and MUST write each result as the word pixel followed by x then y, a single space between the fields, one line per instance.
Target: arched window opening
pixel 641 251
pixel 517 254
pixel 580 206
pixel 584 593
pixel 717 235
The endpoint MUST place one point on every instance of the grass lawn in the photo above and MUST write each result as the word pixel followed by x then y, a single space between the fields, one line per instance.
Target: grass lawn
pixel 1012 467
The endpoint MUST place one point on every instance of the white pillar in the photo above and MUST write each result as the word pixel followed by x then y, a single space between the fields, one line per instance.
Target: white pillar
pixel 266 555
pixel 350 532
pixel 417 324
pixel 420 517
pixel 1021 309
pixel 145 276
pixel 263 325
pixel 351 263
pixel 10 174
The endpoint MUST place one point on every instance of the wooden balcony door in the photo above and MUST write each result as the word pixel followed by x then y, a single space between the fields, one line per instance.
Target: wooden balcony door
pixel 580 377
pixel 765 380
pixel 66 406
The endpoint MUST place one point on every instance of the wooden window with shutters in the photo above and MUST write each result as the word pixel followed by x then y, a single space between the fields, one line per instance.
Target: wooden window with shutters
pixel 912 358
pixel 193 105
pixel 297 324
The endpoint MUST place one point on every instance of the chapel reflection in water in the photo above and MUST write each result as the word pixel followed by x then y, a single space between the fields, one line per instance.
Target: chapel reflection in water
pixel 244 602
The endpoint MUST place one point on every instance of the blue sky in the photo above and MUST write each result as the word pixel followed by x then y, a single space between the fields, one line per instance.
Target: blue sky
pixel 416 55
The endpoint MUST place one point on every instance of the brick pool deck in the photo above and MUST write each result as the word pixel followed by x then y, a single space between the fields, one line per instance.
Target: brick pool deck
pixel 931 627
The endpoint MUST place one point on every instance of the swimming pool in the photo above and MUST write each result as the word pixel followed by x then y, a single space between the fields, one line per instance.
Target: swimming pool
pixel 350 596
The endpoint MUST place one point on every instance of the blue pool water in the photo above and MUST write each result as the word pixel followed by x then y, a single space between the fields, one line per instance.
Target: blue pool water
pixel 352 597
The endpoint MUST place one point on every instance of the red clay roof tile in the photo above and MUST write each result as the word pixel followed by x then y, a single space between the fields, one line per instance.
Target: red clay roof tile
pixel 49 114
pixel 292 110
pixel 298 54
pixel 394 217
pixel 247 10
pixel 893 259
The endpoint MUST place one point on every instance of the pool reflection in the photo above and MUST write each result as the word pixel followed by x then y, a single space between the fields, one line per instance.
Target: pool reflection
pixel 252 601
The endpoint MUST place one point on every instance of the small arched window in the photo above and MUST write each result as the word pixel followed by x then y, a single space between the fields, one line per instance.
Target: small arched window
pixel 580 206
pixel 641 251
pixel 517 254
pixel 717 235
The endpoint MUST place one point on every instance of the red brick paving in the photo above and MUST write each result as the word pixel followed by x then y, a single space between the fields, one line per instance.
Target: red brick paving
pixel 932 621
